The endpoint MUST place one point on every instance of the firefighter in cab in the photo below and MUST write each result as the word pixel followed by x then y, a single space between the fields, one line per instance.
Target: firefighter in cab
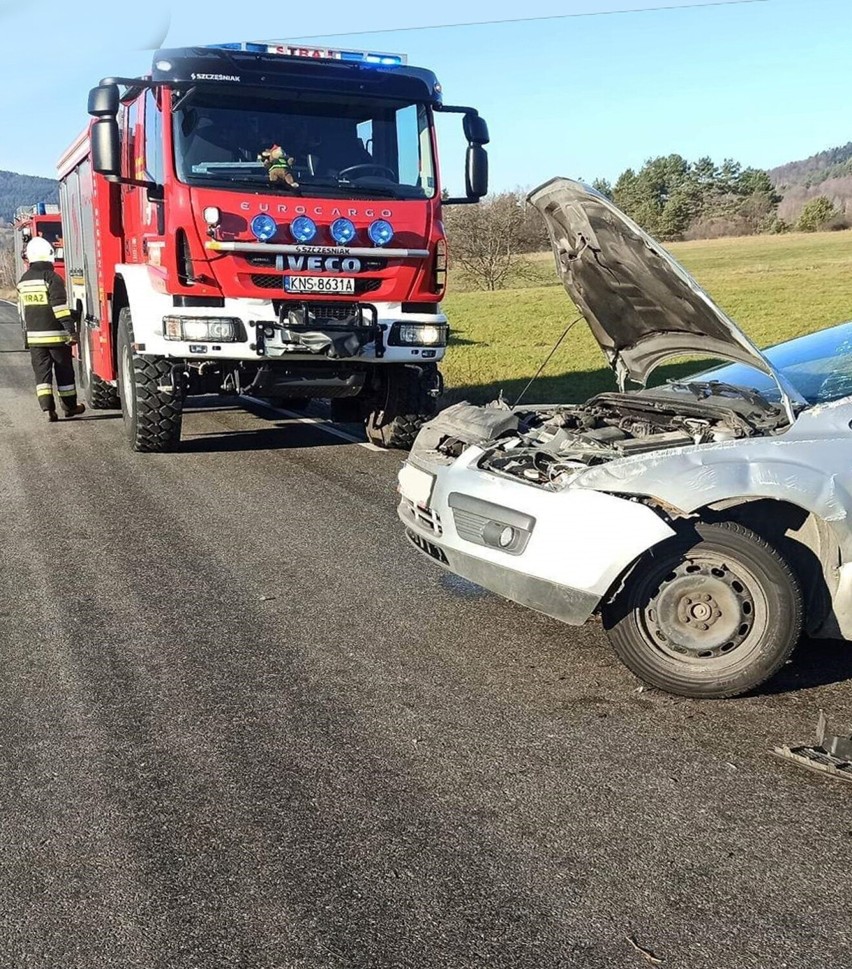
pixel 50 330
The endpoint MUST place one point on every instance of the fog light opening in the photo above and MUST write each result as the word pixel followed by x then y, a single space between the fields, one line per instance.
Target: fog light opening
pixel 506 537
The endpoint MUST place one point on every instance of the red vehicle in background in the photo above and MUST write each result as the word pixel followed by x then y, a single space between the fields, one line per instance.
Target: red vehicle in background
pixel 30 221
pixel 263 220
pixel 42 219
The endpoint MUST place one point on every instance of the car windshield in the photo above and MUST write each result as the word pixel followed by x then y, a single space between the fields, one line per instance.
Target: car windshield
pixel 357 148
pixel 819 366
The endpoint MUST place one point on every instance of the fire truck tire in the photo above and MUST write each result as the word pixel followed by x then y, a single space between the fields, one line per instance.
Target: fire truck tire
pixel 402 405
pixel 152 416
pixel 102 395
pixel 99 394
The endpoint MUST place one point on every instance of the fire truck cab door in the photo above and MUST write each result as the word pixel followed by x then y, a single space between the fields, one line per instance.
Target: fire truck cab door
pixel 147 237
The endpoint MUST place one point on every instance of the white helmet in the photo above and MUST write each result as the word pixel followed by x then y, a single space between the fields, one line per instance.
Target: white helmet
pixel 39 250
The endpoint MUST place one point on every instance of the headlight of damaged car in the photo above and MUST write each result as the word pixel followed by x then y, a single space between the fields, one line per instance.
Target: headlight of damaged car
pixel 204 329
pixel 418 334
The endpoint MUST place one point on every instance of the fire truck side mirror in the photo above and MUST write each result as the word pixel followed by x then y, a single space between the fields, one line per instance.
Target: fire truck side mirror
pixel 476 172
pixel 106 150
pixel 103 101
pixel 475 130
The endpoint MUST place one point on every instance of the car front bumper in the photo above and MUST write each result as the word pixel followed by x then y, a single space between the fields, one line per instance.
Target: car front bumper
pixel 573 544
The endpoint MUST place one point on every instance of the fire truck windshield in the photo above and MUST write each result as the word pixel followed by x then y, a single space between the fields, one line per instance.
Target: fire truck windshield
pixel 52 231
pixel 358 148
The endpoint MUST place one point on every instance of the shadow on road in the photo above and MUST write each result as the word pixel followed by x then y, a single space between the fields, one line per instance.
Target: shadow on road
pixel 816 662
pixel 280 434
pixel 287 438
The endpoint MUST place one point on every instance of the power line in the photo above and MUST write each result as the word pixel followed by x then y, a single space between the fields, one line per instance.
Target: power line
pixel 520 20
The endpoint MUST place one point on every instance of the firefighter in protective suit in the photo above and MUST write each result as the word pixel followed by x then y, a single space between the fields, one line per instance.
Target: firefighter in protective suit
pixel 50 330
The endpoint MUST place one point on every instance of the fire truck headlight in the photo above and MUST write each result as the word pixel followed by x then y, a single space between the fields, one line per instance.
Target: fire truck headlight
pixel 263 227
pixel 212 216
pixel 418 334
pixel 201 329
pixel 342 231
pixel 303 229
pixel 381 232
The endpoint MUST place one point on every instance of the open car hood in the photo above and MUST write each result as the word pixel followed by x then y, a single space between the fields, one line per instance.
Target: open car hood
pixel 641 305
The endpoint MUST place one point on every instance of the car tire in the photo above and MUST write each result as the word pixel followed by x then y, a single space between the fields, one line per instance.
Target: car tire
pixel 711 614
pixel 405 401
pixel 152 416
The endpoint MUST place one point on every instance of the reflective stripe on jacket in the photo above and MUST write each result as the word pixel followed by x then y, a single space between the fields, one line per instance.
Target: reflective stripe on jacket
pixel 44 303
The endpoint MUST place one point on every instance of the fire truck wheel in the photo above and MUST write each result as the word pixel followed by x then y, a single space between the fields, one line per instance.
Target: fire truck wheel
pixel 99 394
pixel 407 397
pixel 152 415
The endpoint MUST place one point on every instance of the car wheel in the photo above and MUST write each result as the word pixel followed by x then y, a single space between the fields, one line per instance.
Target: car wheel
pixel 710 614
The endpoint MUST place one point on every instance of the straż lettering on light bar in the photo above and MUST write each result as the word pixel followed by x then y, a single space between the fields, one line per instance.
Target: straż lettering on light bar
pixel 317 53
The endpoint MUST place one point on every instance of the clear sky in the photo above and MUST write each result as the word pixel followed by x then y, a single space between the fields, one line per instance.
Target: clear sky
pixel 763 82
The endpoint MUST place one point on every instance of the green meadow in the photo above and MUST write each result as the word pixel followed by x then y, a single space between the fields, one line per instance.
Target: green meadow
pixel 774 287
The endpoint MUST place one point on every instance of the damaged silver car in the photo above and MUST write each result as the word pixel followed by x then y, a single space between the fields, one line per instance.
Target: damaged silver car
pixel 706 521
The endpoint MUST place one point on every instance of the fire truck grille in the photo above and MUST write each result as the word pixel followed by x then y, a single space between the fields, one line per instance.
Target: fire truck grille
pixel 344 312
pixel 267 281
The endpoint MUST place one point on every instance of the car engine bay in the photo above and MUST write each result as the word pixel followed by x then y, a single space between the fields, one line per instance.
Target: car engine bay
pixel 546 445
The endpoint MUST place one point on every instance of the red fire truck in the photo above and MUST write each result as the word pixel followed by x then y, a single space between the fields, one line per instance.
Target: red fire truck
pixel 263 220
pixel 41 219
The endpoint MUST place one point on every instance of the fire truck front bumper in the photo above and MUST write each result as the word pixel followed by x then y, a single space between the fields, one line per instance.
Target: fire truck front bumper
pixel 252 330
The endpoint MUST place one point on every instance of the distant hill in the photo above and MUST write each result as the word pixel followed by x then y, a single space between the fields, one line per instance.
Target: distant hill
pixel 826 173
pixel 17 190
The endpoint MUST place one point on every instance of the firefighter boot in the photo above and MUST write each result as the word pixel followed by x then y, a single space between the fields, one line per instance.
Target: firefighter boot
pixel 76 410
pixel 52 416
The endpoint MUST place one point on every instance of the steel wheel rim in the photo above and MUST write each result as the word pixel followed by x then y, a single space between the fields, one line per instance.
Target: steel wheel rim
pixel 705 609
pixel 86 354
pixel 127 381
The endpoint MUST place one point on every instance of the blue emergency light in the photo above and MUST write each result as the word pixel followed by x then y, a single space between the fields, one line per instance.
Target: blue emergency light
pixel 314 53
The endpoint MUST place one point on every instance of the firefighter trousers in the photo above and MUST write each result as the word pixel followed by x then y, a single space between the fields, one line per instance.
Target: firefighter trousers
pixel 49 362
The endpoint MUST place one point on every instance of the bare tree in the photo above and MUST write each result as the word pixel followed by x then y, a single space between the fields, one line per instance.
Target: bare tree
pixel 7 268
pixel 488 240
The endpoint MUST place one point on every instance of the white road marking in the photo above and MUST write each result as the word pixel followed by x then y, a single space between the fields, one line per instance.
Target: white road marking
pixel 318 422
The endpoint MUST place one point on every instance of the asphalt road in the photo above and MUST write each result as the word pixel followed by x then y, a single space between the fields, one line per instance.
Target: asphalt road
pixel 244 725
